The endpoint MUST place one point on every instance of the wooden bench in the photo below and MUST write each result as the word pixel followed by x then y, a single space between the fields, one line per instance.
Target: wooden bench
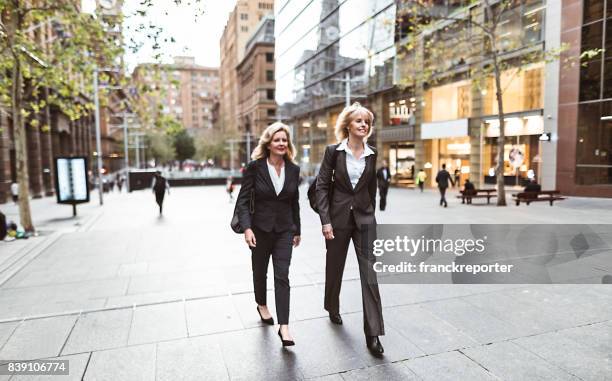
pixel 477 193
pixel 529 197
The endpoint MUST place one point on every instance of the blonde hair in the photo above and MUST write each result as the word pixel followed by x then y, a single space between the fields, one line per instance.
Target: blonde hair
pixel 347 116
pixel 262 149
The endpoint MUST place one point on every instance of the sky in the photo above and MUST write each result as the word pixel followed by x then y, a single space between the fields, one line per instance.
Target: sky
pixel 198 38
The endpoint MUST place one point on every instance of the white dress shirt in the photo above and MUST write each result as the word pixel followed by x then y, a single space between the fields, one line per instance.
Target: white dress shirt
pixel 354 166
pixel 277 181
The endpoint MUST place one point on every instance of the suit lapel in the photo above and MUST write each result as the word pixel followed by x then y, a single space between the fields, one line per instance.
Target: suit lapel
pixel 288 175
pixel 263 168
pixel 342 169
pixel 363 179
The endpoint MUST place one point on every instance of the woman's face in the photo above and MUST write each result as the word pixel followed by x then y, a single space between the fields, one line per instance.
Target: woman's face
pixel 278 144
pixel 359 126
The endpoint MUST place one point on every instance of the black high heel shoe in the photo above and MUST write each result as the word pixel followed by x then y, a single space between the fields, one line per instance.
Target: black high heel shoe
pixel 286 343
pixel 268 321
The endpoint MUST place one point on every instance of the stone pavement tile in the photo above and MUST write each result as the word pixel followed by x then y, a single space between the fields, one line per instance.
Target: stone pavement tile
pixel 212 315
pixel 38 338
pixel 428 332
pixel 448 366
pixel 76 363
pixel 257 354
pixel 575 358
pixel 596 336
pixel 166 282
pixel 350 296
pixel 131 269
pixel 529 319
pixel 130 363
pixel 323 348
pixel 387 372
pixel 246 307
pixel 139 299
pixel 158 322
pixel 6 330
pixel 100 330
pixel 397 347
pixel 196 358
pixel 509 361
pixel 329 377
pixel 307 303
pixel 474 322
pixel 56 307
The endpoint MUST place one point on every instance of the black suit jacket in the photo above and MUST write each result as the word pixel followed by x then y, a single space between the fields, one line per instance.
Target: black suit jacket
pixel 443 178
pixel 272 213
pixel 362 199
pixel 382 183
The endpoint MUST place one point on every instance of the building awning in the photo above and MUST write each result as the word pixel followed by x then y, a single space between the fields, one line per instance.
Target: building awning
pixel 445 129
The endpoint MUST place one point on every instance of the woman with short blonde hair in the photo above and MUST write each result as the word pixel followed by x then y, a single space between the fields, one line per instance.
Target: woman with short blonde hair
pixel 341 130
pixel 262 149
pixel 269 213
pixel 346 207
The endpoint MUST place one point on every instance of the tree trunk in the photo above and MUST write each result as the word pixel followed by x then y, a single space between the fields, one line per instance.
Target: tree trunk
pixel 21 153
pixel 499 169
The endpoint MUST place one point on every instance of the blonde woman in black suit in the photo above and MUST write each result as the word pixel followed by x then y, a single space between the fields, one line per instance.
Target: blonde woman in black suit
pixel 352 205
pixel 274 227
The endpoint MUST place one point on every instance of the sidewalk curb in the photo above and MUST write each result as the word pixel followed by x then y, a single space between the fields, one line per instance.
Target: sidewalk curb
pixel 7 272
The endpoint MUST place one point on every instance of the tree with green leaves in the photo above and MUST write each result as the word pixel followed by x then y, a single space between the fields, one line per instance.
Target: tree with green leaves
pixel 184 146
pixel 482 41
pixel 211 145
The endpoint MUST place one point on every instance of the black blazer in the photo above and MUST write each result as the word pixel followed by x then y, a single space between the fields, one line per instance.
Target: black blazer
pixel 362 199
pixel 272 213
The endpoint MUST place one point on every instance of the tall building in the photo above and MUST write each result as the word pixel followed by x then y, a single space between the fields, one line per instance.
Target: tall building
pixel 186 90
pixel 256 83
pixel 326 50
pixel 241 24
pixel 584 165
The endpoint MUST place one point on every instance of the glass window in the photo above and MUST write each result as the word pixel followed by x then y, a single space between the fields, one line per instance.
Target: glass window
pixel 590 81
pixel 270 94
pixel 269 75
pixel 594 144
pixel 608 79
pixel 269 57
pixel 593 10
pixel 592 36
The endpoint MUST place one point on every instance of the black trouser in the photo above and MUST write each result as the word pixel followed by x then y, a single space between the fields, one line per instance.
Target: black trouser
pixel 383 196
pixel 279 246
pixel 421 185
pixel 159 198
pixel 337 249
pixel 442 195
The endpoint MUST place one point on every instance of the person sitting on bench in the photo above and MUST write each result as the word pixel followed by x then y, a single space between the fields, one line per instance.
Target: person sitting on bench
pixel 533 186
pixel 468 191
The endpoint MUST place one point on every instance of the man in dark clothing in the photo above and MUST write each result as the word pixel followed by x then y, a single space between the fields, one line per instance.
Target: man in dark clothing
pixel 443 178
pixel 533 186
pixel 468 191
pixel 384 178
pixel 160 186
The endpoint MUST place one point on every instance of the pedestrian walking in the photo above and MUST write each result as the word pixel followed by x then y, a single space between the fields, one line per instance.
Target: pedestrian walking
pixel 457 176
pixel 272 224
pixel 420 179
pixel 345 205
pixel 443 178
pixel 384 179
pixel 229 188
pixel 160 186
pixel 120 183
pixel 15 192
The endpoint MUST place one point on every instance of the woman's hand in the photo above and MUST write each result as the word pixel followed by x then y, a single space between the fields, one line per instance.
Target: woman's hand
pixel 296 240
pixel 328 232
pixel 249 238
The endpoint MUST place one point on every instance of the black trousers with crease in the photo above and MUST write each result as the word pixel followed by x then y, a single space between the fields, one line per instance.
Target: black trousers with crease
pixel 279 246
pixel 335 260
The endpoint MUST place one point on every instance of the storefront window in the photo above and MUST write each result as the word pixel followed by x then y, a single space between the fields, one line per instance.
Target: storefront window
pixel 594 144
pixel 401 162
pixel 448 102
pixel 522 160
pixel 523 91
pixel 402 111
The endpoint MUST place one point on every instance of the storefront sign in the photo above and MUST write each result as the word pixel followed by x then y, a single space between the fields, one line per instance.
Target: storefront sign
pixel 445 129
pixel 530 125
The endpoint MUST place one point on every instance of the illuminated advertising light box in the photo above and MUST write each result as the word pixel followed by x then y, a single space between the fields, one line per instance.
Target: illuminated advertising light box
pixel 71 186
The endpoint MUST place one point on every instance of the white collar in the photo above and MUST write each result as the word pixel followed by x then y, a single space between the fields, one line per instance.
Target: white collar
pixel 343 146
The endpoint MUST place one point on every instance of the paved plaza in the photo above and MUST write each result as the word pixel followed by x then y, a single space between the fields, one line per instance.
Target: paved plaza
pixel 127 295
